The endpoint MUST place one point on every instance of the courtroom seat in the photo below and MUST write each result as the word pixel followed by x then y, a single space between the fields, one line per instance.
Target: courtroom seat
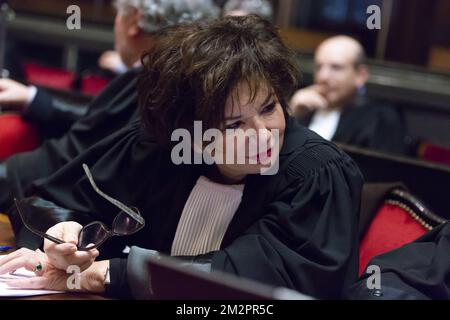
pixel 434 153
pixel 16 135
pixel 428 181
pixel 50 77
pixel 397 219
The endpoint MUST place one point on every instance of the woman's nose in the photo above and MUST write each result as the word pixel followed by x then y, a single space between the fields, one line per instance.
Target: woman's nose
pixel 263 134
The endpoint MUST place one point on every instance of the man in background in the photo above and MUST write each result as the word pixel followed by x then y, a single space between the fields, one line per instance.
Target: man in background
pixel 136 25
pixel 336 106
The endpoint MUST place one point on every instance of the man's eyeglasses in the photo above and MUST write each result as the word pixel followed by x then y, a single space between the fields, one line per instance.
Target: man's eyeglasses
pixel 128 221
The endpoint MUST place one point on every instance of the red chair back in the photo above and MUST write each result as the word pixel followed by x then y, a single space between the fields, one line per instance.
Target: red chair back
pixel 54 78
pixel 401 219
pixel 435 153
pixel 16 136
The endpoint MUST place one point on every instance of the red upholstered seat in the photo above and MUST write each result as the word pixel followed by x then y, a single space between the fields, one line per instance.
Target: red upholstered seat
pixel 391 228
pixel 400 219
pixel 435 153
pixel 49 77
pixel 16 135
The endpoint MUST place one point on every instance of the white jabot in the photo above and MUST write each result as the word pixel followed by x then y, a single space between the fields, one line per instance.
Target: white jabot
pixel 325 123
pixel 206 217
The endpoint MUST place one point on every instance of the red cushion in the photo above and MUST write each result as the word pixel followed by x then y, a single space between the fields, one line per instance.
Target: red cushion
pixel 93 84
pixel 49 77
pixel 435 153
pixel 16 135
pixel 391 228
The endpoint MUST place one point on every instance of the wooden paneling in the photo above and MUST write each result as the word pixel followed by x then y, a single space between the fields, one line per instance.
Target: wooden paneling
pixel 439 58
pixel 92 11
pixel 305 41
pixel 6 233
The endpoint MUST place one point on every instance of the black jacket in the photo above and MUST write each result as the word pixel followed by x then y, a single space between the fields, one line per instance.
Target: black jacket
pixel 296 229
pixel 419 270
pixel 52 115
pixel 115 107
pixel 370 124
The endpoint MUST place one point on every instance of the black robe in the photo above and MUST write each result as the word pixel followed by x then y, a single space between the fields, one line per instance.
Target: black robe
pixel 370 124
pixel 419 270
pixel 52 115
pixel 297 229
pixel 115 107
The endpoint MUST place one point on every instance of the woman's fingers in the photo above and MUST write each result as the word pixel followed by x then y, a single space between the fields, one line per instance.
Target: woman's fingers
pixel 71 231
pixel 63 249
pixel 62 255
pixel 82 259
pixel 9 257
pixel 29 260
pixel 14 255
pixel 67 231
pixel 29 283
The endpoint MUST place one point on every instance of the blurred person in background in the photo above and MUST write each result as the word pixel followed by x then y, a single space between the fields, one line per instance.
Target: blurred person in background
pixel 137 25
pixel 296 228
pixel 262 8
pixel 336 106
pixel 111 60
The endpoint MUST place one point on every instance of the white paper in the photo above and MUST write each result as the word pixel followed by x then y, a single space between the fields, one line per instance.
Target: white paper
pixel 6 291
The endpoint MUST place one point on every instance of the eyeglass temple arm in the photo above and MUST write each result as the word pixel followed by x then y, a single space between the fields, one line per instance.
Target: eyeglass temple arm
pixel 115 202
pixel 51 238
pixel 40 233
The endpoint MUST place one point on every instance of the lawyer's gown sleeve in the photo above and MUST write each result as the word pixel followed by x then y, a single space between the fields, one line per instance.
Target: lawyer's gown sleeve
pixel 307 240
pixel 53 115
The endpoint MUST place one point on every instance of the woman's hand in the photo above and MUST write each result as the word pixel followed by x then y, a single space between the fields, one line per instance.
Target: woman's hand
pixel 51 278
pixel 47 276
pixel 64 255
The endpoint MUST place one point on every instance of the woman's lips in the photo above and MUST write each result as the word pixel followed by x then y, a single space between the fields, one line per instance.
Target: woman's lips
pixel 262 155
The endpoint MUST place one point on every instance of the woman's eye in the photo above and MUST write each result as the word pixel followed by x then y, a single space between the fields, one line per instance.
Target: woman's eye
pixel 234 125
pixel 269 108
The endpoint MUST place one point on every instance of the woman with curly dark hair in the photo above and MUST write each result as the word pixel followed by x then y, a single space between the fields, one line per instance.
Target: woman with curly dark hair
pixel 221 174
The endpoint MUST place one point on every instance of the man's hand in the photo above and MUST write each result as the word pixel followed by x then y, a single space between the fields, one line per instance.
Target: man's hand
pixel 14 94
pixel 66 254
pixel 111 60
pixel 307 100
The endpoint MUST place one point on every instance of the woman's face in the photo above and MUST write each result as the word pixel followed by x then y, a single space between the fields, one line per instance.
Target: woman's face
pixel 253 131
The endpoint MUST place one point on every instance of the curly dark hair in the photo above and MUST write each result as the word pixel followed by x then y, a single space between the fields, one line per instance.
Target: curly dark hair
pixel 192 69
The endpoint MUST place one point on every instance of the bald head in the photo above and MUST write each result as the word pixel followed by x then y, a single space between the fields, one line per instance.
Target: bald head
pixel 344 46
pixel 339 69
